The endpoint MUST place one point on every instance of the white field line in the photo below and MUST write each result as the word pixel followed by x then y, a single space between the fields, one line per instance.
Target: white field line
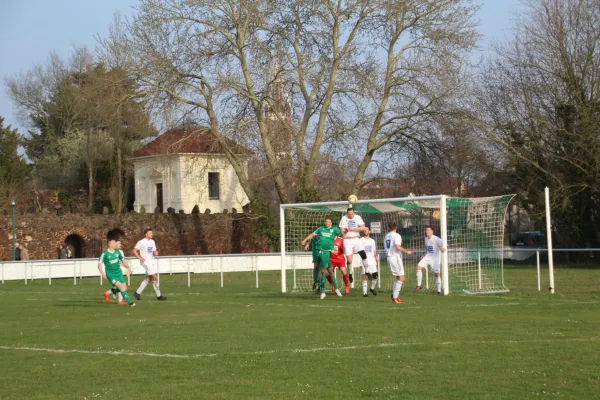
pixel 292 351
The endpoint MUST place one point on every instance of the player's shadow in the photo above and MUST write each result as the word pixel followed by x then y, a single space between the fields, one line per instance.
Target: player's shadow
pixel 78 303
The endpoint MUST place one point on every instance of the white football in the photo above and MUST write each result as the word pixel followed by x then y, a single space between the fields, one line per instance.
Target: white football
pixel 352 199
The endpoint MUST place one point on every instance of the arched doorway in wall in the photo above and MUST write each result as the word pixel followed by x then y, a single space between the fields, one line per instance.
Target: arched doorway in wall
pixel 76 244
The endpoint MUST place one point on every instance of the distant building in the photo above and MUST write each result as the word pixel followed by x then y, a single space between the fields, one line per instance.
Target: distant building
pixel 185 167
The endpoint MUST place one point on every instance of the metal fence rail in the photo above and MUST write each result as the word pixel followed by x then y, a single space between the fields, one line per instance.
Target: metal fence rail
pixel 256 262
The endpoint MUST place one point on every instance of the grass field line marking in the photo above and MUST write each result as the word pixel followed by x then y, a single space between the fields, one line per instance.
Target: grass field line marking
pixel 300 350
pixel 107 352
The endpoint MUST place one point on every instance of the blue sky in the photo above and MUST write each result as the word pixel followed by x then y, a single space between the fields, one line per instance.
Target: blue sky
pixel 31 29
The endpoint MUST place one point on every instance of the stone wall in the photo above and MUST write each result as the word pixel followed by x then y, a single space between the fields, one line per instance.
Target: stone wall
pixel 174 233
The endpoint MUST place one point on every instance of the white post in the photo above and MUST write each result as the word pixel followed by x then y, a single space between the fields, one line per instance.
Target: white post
pixel 549 239
pixel 426 277
pixel 80 271
pixel 31 271
pixel 479 270
pixel 255 260
pixel 49 274
pixel 188 265
pixel 537 256
pixel 25 264
pixel 444 229
pixel 282 240
pixel 100 279
pixel 294 270
pixel 128 274
pixel 170 267
pixel 74 273
pixel 221 267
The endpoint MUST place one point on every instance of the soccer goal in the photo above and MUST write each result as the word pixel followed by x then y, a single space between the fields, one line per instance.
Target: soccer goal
pixel 472 230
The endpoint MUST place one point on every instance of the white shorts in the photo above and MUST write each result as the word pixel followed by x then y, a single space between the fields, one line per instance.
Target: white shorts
pixel 431 263
pixel 353 245
pixel 396 265
pixel 150 267
pixel 370 269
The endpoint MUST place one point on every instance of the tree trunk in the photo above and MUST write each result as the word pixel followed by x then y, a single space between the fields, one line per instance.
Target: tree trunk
pixel 119 183
pixel 91 187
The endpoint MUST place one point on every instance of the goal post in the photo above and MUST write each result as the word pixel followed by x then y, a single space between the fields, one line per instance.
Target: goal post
pixel 472 230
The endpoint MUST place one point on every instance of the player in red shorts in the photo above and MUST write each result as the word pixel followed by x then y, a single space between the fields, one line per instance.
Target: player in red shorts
pixel 338 260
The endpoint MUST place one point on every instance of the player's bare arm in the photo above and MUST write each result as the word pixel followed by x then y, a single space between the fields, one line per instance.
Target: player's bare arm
pixel 137 255
pixel 403 250
pixel 306 239
pixel 102 271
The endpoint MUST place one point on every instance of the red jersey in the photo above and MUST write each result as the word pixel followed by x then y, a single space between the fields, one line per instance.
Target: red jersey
pixel 337 255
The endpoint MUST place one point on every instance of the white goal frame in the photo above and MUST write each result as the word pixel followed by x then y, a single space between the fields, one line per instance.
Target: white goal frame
pixel 443 228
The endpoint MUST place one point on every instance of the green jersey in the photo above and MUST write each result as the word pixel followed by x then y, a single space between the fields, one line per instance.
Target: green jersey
pixel 326 237
pixel 111 261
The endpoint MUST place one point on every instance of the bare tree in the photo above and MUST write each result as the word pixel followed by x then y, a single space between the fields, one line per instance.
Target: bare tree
pixel 293 79
pixel 539 99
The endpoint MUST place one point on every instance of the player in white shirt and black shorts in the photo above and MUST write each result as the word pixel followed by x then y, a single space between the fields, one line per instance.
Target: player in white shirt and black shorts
pixel 394 249
pixel 145 250
pixel 351 226
pixel 368 268
pixel 431 259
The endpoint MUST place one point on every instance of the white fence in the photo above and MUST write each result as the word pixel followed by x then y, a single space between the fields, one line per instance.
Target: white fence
pixel 202 264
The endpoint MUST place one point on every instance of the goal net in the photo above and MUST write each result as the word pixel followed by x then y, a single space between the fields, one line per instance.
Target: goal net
pixel 472 230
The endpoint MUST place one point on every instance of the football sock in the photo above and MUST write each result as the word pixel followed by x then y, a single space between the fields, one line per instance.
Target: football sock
pixel 397 287
pixel 346 280
pixel 119 297
pixel 126 297
pixel 438 281
pixel 156 288
pixel 335 284
pixel 373 283
pixel 365 286
pixel 330 281
pixel 142 287
pixel 419 277
pixel 108 292
pixel 315 275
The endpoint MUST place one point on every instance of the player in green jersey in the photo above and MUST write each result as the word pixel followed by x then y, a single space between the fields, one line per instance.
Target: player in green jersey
pixel 326 235
pixel 113 290
pixel 315 260
pixel 111 259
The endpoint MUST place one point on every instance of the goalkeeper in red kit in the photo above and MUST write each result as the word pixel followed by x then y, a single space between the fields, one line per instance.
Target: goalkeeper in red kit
pixel 338 260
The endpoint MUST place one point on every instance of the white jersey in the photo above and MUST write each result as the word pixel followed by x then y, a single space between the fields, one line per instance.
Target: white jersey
pixel 433 245
pixel 146 247
pixel 393 239
pixel 370 249
pixel 355 222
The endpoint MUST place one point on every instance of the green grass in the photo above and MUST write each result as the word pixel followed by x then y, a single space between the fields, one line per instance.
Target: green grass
pixel 242 342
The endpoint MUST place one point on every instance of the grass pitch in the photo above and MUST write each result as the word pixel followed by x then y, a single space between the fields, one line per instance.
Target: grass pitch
pixel 63 342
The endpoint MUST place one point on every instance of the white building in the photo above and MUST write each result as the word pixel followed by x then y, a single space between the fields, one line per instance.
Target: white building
pixel 185 167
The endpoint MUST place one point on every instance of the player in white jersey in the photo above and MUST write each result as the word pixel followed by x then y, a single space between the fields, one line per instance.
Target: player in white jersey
pixel 351 226
pixel 394 249
pixel 145 250
pixel 431 259
pixel 369 269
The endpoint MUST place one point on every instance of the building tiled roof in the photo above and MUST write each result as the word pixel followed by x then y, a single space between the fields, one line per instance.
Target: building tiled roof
pixel 187 140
